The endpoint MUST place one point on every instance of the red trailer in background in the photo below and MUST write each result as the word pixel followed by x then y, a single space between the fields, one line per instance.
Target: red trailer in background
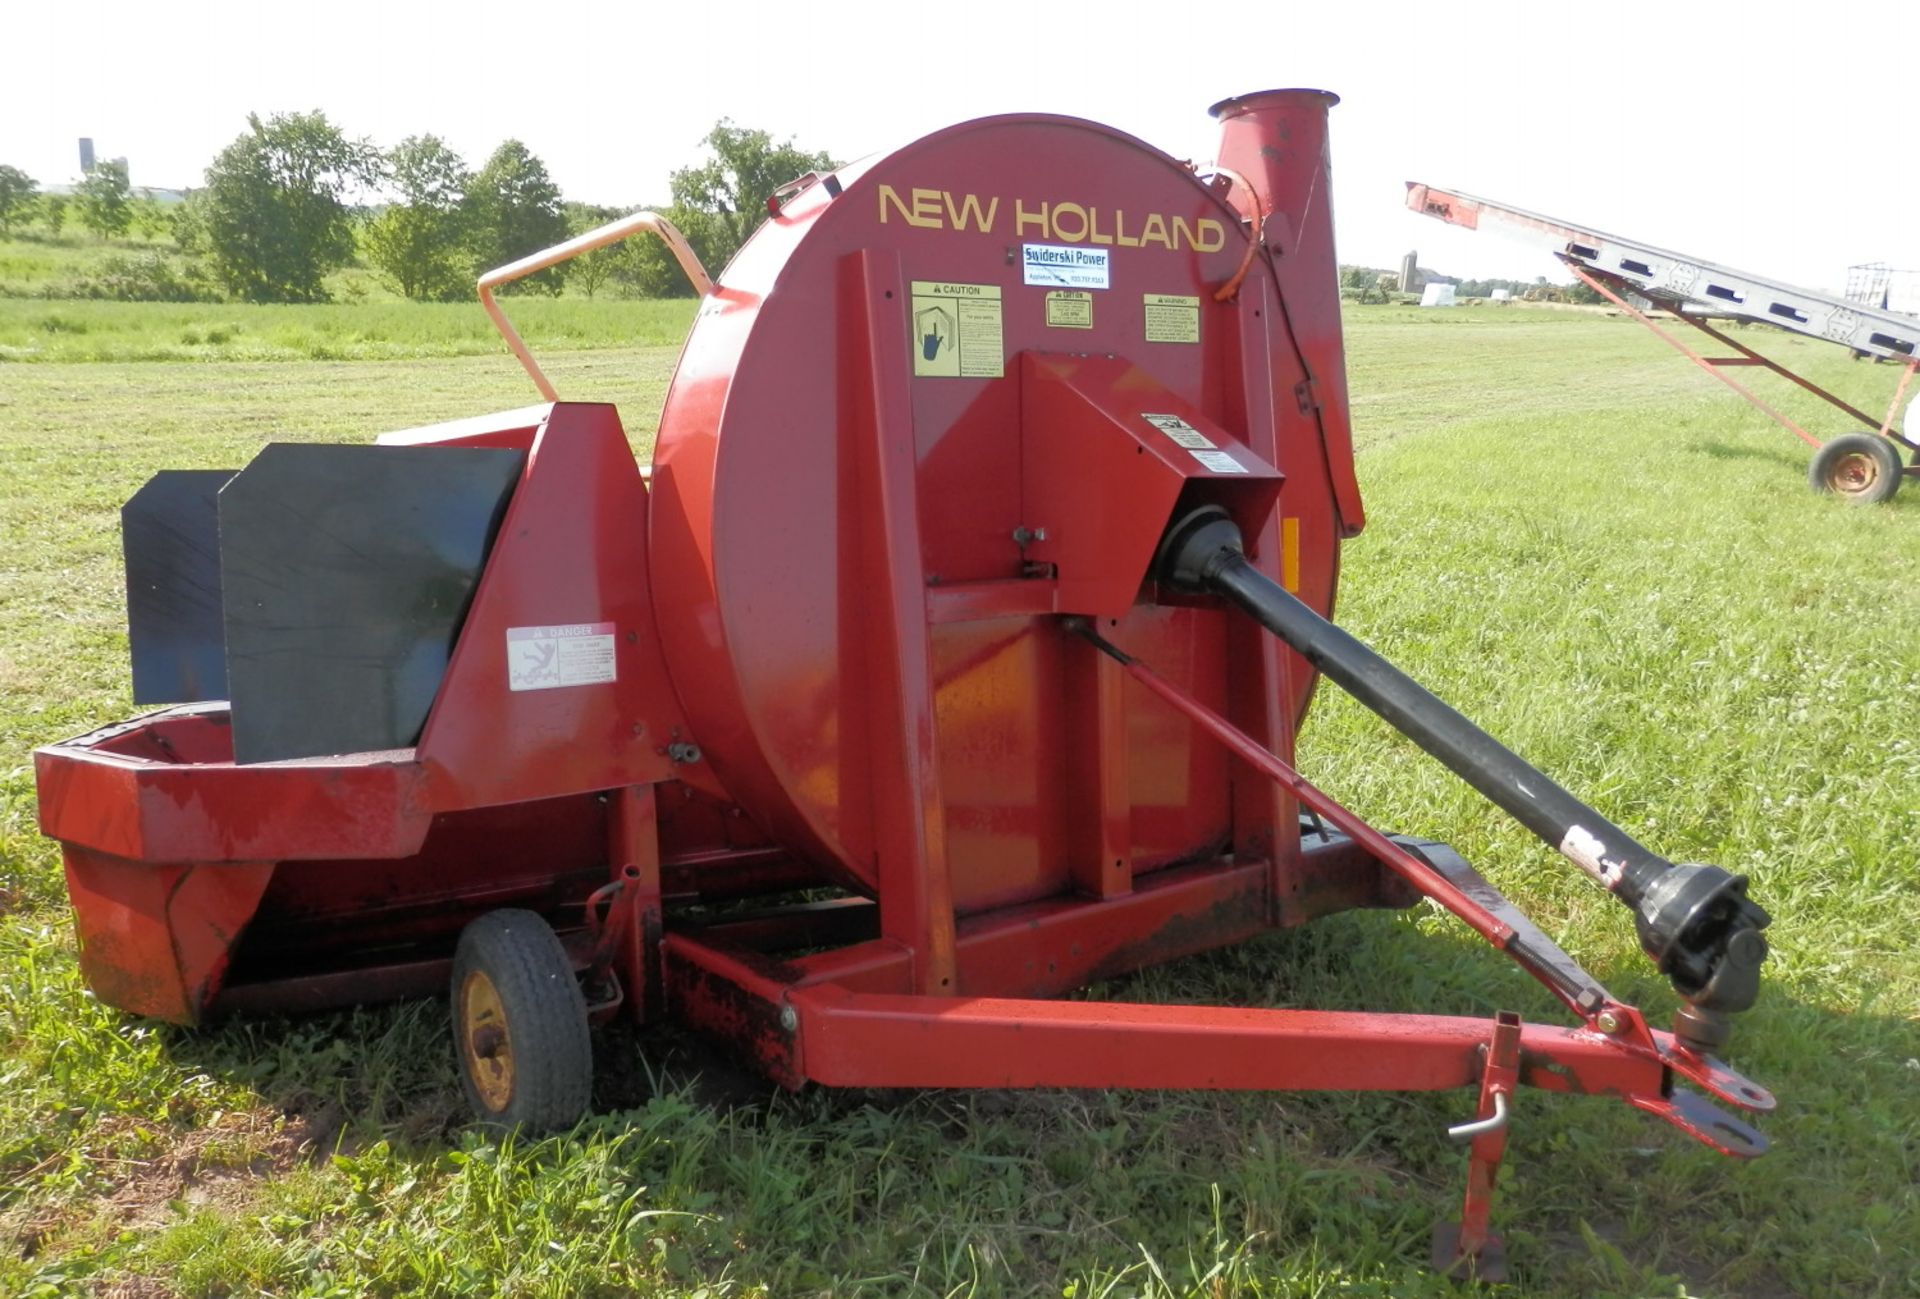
pixel 950 660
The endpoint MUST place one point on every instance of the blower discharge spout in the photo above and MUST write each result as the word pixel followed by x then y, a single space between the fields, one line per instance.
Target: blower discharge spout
pixel 1694 921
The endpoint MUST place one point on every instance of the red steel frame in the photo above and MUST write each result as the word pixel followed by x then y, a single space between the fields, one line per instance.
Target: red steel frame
pixel 1613 290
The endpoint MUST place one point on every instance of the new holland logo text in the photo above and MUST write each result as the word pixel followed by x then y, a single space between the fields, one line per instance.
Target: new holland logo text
pixel 1050 221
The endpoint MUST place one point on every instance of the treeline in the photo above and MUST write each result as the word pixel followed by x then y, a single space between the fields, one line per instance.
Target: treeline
pixel 294 199
pixel 1373 285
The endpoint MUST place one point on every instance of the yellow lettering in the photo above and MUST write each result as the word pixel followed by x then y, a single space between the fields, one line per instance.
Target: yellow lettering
pixel 912 217
pixel 969 210
pixel 1072 223
pixel 1094 234
pixel 1060 211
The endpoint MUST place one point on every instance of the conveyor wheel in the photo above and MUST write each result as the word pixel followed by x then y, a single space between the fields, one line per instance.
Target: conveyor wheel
pixel 1861 468
pixel 520 1025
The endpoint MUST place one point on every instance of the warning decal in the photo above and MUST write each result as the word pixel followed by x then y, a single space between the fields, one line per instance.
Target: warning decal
pixel 1182 433
pixel 572 654
pixel 1070 309
pixel 1219 461
pixel 956 330
pixel 1172 318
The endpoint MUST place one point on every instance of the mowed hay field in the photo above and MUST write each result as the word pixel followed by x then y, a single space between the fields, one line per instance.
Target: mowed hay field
pixel 1580 541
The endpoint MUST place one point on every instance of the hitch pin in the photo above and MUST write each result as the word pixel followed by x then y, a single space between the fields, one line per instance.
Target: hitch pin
pixel 1480 1127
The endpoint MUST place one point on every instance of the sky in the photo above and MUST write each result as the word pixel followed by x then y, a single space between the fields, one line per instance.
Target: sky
pixel 1773 137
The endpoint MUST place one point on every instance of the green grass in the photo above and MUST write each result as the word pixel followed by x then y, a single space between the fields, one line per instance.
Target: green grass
pixel 32 260
pixel 1574 537
pixel 51 331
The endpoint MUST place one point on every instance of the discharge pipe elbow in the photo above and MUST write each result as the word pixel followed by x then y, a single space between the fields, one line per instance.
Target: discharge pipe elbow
pixel 1695 922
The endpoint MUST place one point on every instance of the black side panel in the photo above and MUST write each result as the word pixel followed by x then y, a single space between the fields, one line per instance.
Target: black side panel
pixel 347 572
pixel 170 533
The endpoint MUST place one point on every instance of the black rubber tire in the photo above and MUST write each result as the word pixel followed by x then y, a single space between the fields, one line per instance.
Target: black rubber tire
pixel 1859 468
pixel 550 1049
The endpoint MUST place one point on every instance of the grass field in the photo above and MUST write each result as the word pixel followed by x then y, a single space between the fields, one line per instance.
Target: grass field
pixel 36 263
pixel 36 331
pixel 1574 537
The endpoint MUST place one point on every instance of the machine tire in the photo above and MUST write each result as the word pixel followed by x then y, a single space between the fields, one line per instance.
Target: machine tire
pixel 1860 468
pixel 520 1030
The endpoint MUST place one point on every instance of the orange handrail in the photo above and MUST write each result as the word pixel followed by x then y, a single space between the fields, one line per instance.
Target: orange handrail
pixel 600 237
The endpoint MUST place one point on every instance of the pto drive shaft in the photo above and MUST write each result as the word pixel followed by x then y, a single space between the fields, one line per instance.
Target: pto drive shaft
pixel 1694 921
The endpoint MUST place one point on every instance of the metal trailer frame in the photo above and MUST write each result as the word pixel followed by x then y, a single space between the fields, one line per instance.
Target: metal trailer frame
pixel 1691 289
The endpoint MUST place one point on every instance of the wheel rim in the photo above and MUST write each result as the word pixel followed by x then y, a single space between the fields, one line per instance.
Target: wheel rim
pixel 486 1047
pixel 1853 474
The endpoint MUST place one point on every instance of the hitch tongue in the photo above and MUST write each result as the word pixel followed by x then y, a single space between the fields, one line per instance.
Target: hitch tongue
pixel 1694 921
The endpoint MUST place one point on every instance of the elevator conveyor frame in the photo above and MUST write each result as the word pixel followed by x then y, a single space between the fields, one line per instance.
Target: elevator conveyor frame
pixel 1862 467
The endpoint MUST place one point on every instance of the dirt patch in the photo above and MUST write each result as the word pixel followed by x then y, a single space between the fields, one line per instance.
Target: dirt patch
pixel 138 1287
pixel 27 1228
pixel 153 1167
pixel 218 1164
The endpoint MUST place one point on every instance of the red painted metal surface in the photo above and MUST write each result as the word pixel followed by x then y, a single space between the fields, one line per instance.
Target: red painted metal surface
pixel 826 1032
pixel 1278 140
pixel 767 556
pixel 873 1040
pixel 1090 408
pixel 165 789
pixel 158 940
pixel 1470 1245
pixel 567 553
pixel 890 728
pixel 1383 849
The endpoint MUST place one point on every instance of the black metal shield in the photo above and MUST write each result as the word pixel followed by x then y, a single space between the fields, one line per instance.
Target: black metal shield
pixel 170 534
pixel 347 571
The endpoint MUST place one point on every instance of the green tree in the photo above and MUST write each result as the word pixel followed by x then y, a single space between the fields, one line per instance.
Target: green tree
pixel 53 209
pixel 729 191
pixel 591 271
pixel 418 242
pixel 106 199
pixel 646 268
pixel 515 210
pixel 273 217
pixel 16 196
pixel 150 220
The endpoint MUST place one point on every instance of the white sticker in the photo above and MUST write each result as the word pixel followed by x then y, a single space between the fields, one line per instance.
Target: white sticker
pixel 1219 461
pixel 1584 849
pixel 573 654
pixel 1062 267
pixel 1182 433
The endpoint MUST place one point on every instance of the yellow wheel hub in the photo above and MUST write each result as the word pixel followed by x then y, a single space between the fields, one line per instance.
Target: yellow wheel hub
pixel 486 1047
pixel 1854 474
